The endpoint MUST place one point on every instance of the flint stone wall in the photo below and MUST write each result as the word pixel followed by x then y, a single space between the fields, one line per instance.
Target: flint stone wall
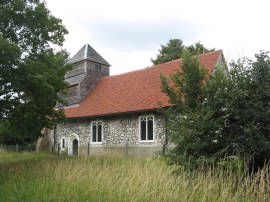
pixel 121 136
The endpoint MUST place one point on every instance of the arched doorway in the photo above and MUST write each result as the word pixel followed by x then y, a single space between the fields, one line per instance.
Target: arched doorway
pixel 73 144
pixel 75 147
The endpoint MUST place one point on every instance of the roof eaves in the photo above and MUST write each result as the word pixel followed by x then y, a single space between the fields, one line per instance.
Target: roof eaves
pixel 117 113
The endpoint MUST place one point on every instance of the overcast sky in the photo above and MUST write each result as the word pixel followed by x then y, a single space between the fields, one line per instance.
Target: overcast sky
pixel 128 33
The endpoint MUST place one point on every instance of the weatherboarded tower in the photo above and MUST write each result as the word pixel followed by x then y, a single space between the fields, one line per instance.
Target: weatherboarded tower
pixel 89 67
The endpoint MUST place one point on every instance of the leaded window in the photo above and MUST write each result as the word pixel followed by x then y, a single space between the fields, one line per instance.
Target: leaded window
pixel 97 131
pixel 147 128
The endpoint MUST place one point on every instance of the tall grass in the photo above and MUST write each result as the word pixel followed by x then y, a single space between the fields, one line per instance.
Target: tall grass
pixel 46 178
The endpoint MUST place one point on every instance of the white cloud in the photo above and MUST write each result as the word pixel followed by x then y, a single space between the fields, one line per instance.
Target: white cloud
pixel 128 33
pixel 140 35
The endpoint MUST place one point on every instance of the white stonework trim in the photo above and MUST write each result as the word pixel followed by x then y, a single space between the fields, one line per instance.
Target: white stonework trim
pixel 72 137
pixel 152 116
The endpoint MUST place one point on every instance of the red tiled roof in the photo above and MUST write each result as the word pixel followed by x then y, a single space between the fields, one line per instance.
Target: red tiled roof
pixel 133 91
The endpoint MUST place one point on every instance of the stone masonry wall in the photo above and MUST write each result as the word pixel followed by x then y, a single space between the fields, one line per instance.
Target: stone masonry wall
pixel 120 136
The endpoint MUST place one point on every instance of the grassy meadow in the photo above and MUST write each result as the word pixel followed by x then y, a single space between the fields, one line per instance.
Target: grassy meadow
pixel 43 177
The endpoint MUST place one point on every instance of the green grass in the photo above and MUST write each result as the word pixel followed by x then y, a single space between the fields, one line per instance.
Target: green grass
pixel 43 177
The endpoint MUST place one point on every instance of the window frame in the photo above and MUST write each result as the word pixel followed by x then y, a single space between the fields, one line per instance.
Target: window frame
pixel 98 67
pixel 153 130
pixel 96 123
pixel 61 143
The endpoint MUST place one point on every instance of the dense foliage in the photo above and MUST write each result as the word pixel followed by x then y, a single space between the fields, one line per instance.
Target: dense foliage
pixel 229 115
pixel 175 48
pixel 31 72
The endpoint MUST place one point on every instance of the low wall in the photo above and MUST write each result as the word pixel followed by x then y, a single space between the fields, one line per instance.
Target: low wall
pixel 125 150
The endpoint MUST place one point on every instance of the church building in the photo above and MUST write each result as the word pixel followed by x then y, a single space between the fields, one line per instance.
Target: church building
pixel 117 115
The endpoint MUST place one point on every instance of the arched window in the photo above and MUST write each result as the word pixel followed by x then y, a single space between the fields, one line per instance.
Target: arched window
pixel 146 128
pixel 97 127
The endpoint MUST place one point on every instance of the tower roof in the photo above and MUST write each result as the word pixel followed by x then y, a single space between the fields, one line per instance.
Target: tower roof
pixel 88 53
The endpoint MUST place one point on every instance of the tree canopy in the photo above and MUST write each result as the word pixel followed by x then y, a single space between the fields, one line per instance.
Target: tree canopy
pixel 31 72
pixel 231 116
pixel 175 48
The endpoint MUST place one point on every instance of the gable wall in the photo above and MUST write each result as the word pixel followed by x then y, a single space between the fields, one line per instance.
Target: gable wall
pixel 120 136
pixel 221 64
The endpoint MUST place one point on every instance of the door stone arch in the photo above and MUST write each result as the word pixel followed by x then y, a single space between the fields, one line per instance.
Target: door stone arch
pixel 73 145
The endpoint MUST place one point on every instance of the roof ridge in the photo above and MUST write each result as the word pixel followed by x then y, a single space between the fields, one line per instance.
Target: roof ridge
pixel 139 70
pixel 85 51
pixel 117 75
pixel 156 66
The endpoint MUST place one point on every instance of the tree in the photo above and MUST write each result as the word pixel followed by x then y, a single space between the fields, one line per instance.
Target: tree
pixel 230 118
pixel 185 90
pixel 174 49
pixel 31 72
pixel 249 110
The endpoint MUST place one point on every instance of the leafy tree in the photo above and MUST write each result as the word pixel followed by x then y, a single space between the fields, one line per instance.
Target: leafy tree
pixel 187 87
pixel 185 90
pixel 31 73
pixel 174 50
pixel 171 51
pixel 249 110
pixel 230 118
pixel 198 48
